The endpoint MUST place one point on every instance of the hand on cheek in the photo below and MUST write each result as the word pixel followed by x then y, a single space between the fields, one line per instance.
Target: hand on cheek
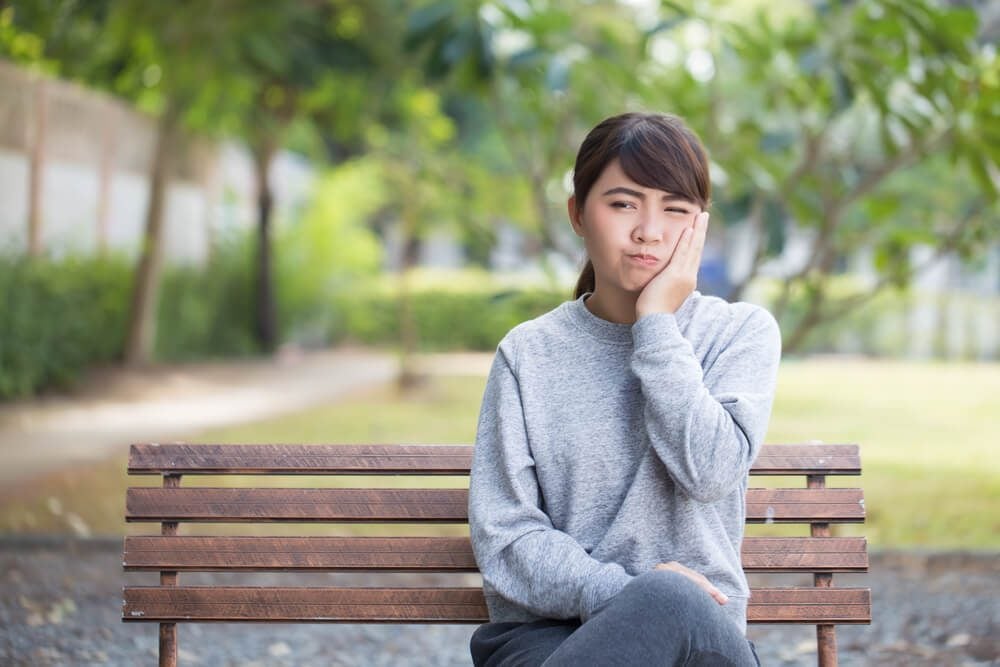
pixel 671 286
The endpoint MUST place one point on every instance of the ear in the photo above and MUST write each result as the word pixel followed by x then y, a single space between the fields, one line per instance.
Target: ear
pixel 574 215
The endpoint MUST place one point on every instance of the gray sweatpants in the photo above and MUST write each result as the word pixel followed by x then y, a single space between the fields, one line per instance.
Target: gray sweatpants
pixel 661 618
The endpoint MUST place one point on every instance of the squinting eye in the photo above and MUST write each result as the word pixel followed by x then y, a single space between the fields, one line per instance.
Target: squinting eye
pixel 673 209
pixel 621 204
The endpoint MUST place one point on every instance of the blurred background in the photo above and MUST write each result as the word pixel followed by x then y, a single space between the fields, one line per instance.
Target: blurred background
pixel 239 221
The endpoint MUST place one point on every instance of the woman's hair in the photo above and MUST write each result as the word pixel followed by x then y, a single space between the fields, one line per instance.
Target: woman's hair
pixel 656 150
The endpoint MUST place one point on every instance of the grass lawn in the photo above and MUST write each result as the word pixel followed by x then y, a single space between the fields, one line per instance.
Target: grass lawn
pixel 927 432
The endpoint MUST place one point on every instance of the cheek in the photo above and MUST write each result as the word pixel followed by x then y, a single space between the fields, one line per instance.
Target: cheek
pixel 600 238
pixel 610 248
pixel 596 250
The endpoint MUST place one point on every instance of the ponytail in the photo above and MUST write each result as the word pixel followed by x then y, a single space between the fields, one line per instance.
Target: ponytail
pixel 585 283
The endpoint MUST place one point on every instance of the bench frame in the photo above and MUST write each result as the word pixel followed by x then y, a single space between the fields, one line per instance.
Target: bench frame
pixel 170 553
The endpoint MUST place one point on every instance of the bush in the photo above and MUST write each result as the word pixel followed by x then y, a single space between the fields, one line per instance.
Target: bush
pixel 475 318
pixel 327 250
pixel 58 317
pixel 209 311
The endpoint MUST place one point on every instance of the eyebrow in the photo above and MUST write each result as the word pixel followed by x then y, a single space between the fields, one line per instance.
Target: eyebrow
pixel 635 193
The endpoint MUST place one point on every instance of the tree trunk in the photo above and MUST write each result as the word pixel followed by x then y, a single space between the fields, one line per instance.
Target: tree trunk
pixel 37 169
pixel 266 319
pixel 409 337
pixel 141 337
pixel 105 172
pixel 814 316
pixel 210 195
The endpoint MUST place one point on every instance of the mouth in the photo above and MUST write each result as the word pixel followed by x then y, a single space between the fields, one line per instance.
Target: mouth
pixel 645 259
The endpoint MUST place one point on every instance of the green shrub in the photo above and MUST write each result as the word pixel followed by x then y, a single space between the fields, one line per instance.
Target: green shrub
pixel 447 319
pixel 327 250
pixel 57 317
pixel 209 311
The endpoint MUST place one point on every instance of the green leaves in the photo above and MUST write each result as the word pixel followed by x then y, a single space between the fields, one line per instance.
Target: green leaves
pixel 452 37
pixel 841 116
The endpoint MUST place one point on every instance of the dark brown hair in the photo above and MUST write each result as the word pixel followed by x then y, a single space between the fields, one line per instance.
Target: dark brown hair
pixel 656 150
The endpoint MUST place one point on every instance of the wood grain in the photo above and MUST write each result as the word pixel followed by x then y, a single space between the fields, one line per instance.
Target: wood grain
pixel 432 605
pixel 205 504
pixel 432 554
pixel 422 459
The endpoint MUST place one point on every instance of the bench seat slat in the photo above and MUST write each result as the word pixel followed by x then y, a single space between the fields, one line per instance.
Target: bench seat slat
pixel 431 605
pixel 341 554
pixel 328 459
pixel 833 505
pixel 432 554
pixel 808 460
pixel 805 554
pixel 300 459
pixel 304 505
pixel 426 505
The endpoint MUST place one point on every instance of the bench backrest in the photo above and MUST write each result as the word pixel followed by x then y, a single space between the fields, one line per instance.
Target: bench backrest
pixel 172 504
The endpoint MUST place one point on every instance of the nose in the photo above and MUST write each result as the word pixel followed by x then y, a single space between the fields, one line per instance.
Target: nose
pixel 649 228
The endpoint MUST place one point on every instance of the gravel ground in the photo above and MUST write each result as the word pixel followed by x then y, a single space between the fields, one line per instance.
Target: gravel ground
pixel 61 605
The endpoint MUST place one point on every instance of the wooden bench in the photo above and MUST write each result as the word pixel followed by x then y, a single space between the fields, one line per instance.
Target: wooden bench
pixel 170 553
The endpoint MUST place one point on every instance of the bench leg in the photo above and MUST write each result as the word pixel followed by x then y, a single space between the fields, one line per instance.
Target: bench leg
pixel 168 631
pixel 826 641
pixel 168 645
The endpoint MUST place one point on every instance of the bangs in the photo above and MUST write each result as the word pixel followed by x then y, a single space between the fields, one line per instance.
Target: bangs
pixel 653 159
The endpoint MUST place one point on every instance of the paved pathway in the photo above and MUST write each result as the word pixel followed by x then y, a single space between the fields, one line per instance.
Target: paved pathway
pixel 117 406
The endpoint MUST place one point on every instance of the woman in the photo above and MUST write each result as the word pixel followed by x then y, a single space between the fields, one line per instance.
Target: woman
pixel 608 482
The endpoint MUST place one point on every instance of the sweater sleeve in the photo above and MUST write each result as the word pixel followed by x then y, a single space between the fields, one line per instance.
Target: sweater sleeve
pixel 518 551
pixel 707 427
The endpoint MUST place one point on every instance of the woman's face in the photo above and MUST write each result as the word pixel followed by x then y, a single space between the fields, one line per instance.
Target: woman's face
pixel 621 219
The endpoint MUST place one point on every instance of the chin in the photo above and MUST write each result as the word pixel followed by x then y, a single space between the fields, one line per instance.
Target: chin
pixel 635 286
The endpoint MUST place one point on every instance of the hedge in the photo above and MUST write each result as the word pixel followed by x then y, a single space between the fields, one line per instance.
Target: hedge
pixel 57 318
pixel 60 316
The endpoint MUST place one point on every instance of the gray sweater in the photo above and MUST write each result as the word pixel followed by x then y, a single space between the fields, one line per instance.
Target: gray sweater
pixel 603 449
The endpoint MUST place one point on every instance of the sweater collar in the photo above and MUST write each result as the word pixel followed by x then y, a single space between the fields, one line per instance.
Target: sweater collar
pixel 615 332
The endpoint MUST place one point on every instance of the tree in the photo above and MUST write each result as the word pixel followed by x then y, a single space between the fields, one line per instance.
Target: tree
pixel 833 119
pixel 291 56
pixel 167 61
pixel 546 71
pixel 419 168
pixel 817 116
pixel 23 36
pixel 251 71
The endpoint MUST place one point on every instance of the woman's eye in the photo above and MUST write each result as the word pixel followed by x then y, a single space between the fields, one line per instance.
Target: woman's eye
pixel 675 209
pixel 621 204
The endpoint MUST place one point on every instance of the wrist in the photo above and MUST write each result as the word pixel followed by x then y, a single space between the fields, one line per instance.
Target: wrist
pixel 639 314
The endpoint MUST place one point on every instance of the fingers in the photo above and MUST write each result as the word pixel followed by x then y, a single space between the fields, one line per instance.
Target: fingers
pixel 718 595
pixel 679 247
pixel 679 276
pixel 696 577
pixel 701 229
pixel 697 241
pixel 687 252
